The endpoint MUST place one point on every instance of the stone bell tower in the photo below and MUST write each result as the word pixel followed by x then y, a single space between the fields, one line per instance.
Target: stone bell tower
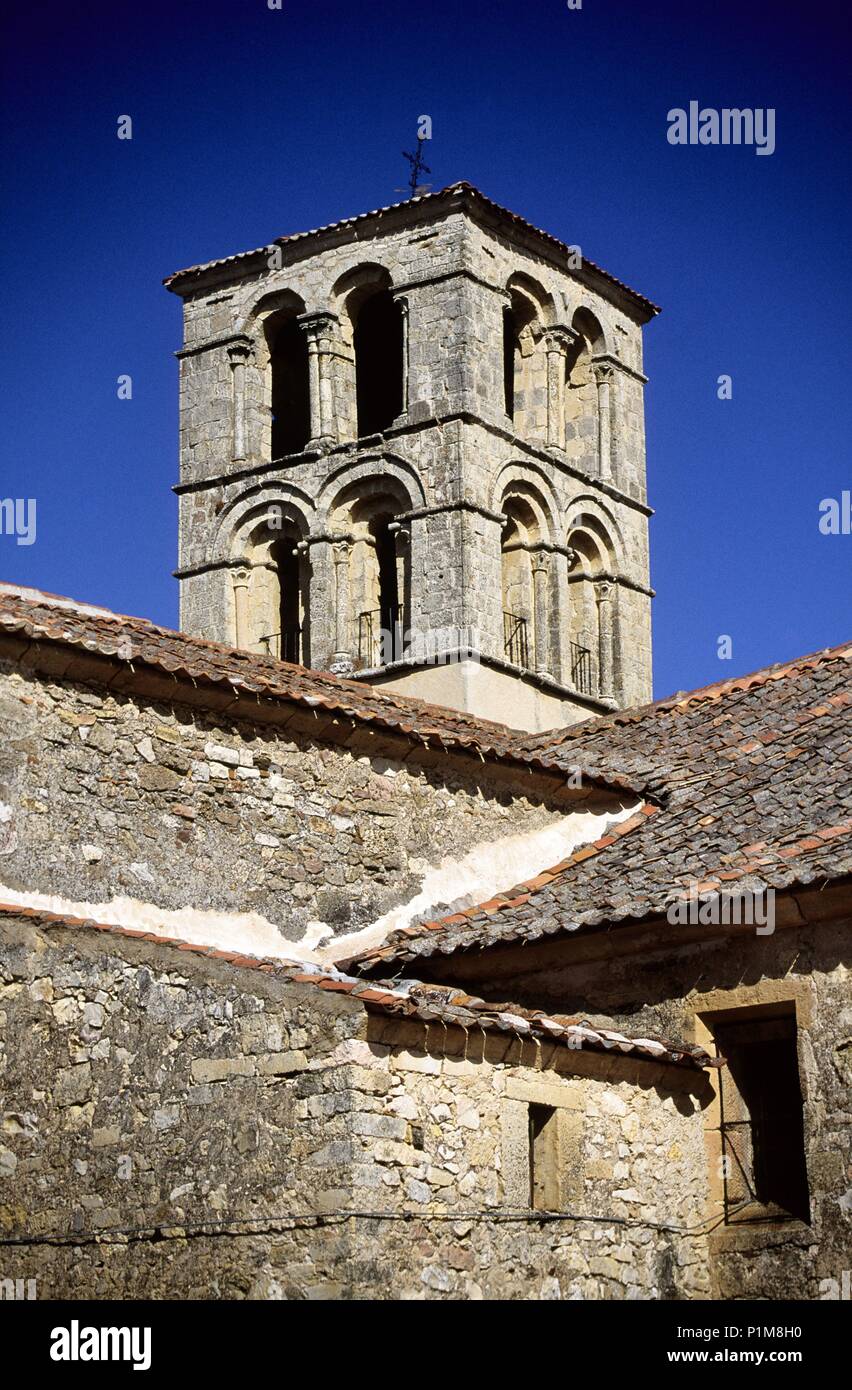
pixel 412 450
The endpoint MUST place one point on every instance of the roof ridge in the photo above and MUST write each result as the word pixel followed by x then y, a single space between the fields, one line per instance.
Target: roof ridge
pixel 459 186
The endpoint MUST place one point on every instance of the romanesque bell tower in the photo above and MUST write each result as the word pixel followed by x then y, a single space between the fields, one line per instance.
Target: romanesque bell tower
pixel 413 451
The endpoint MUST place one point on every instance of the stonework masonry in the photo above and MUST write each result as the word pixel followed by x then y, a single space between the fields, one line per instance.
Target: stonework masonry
pixel 656 981
pixel 109 795
pixel 412 451
pixel 176 1123
pixel 256 1140
pixel 500 508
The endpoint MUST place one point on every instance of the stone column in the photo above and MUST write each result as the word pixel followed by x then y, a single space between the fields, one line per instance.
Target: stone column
pixel 319 329
pixel 557 341
pixel 238 354
pixel 241 579
pixel 342 663
pixel 402 539
pixel 604 596
pixel 603 376
pixel 541 575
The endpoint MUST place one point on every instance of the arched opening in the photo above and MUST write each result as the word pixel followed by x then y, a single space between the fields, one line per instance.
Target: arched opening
pixel 383 639
pixel 272 591
pixel 520 534
pixel 289 383
pixel 591 633
pixel 378 342
pixel 525 365
pixel 581 394
pixel 291 568
pixel 378 585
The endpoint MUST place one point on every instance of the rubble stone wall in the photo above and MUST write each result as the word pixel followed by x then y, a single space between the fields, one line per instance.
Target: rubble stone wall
pixel 177 1127
pixel 108 795
pixel 674 992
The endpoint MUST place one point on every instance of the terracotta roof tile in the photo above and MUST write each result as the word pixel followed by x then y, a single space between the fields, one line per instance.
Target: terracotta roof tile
pixel 409 998
pixel 461 194
pixel 48 618
pixel 774 812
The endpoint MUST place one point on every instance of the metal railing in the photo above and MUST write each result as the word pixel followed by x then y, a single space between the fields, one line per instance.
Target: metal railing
pixel 381 635
pixel 581 669
pixel 515 639
pixel 290 644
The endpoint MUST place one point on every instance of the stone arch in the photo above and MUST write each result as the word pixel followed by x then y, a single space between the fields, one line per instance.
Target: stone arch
pixel 592 616
pixel 590 515
pixel 372 330
pixel 527 589
pixel 581 406
pixel 532 481
pixel 373 472
pixel 239 517
pixel 528 312
pixel 274 323
pixel 590 328
pixel 532 290
pixel 365 504
pixel 264 537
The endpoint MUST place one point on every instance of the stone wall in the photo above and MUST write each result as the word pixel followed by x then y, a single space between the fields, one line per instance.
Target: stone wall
pixel 675 988
pixel 178 1127
pixel 110 796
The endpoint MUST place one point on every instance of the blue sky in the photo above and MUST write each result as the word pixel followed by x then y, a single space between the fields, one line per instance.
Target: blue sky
pixel 249 123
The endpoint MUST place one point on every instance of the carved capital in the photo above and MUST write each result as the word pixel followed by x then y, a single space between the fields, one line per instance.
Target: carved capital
pixel 318 327
pixel 560 339
pixel 240 352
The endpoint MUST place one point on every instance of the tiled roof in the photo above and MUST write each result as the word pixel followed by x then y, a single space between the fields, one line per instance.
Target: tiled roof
pixel 463 192
pixel 48 618
pixel 754 780
pixel 411 999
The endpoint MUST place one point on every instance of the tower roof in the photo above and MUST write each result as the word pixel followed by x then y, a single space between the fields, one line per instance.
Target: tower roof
pixel 455 197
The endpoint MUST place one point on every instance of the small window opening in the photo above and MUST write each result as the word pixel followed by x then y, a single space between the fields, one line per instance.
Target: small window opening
pixel 764 1168
pixel 290 601
pixel 544 1158
pixel 382 630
